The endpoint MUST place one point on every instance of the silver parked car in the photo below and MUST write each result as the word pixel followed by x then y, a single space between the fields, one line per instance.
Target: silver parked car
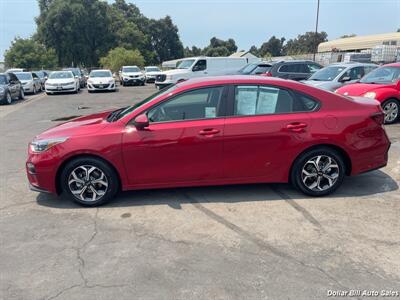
pixel 30 82
pixel 336 75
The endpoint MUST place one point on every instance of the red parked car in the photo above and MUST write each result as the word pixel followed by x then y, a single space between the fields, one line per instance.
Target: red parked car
pixel 213 131
pixel 382 84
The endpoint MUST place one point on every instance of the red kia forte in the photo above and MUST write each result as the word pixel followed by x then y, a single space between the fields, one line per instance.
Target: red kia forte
pixel 213 131
pixel 382 84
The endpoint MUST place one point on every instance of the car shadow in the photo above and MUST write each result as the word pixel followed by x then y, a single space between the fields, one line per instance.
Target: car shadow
pixel 369 184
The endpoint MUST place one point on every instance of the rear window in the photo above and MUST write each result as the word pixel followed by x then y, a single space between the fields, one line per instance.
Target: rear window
pixel 291 68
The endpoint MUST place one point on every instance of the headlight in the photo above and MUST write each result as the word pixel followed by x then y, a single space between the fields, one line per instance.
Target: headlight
pixel 43 145
pixel 90 82
pixel 1 90
pixel 370 95
pixel 111 81
pixel 71 82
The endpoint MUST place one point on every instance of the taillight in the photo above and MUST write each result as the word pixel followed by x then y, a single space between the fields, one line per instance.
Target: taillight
pixel 378 117
pixel 269 74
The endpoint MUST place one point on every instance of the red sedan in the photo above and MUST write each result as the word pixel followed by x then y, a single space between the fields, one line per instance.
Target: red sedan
pixel 213 131
pixel 382 84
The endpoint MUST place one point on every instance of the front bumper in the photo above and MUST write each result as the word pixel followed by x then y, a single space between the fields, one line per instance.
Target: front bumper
pixel 60 89
pixel 133 81
pixel 101 87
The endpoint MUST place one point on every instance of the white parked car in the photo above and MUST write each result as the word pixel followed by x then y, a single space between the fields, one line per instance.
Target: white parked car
pixel 200 67
pixel 151 73
pixel 62 82
pixel 30 82
pixel 101 80
pixel 15 70
pixel 131 75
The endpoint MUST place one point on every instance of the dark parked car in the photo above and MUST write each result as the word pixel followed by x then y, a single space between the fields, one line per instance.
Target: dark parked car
pixel 43 75
pixel 289 69
pixel 10 88
pixel 81 76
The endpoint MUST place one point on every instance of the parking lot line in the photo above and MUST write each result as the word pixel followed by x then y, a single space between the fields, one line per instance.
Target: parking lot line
pixel 23 104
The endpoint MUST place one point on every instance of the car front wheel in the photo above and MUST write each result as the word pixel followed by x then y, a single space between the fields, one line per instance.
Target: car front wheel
pixel 89 181
pixel 318 172
pixel 21 95
pixel 391 108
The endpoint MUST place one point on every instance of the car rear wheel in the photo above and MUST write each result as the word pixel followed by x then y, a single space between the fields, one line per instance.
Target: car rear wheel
pixel 318 172
pixel 21 95
pixel 89 181
pixel 34 90
pixel 391 108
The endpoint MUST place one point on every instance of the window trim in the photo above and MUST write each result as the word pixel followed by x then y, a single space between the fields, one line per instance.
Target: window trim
pixel 222 108
pixel 230 109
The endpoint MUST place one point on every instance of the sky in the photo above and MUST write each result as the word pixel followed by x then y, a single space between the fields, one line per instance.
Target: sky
pixel 250 22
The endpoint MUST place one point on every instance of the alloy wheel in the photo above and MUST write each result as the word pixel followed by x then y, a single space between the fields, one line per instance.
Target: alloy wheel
pixel 320 173
pixel 391 110
pixel 88 183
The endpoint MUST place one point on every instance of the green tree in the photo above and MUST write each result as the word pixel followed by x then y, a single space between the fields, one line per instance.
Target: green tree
pixel 78 30
pixel 305 43
pixel 274 47
pixel 194 51
pixel 29 54
pixel 348 35
pixel 118 57
pixel 218 47
pixel 254 50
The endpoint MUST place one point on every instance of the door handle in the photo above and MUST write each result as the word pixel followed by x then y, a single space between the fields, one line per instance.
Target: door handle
pixel 208 131
pixel 296 127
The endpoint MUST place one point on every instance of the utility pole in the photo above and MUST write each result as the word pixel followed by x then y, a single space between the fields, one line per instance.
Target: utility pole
pixel 316 32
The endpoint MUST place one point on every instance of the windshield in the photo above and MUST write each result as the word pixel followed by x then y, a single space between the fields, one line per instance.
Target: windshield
pixel 2 79
pixel 327 74
pixel 152 69
pixel 40 74
pixel 61 75
pixel 24 76
pixel 95 74
pixel 247 69
pixel 185 64
pixel 130 109
pixel 382 75
pixel 130 69
pixel 76 72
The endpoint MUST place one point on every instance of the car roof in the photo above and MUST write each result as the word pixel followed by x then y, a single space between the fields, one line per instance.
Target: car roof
pixel 108 70
pixel 351 64
pixel 397 64
pixel 236 79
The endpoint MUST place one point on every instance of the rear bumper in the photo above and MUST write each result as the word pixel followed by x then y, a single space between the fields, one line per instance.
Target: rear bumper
pixel 371 159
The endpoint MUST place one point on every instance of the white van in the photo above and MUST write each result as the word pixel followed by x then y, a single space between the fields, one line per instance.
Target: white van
pixel 200 67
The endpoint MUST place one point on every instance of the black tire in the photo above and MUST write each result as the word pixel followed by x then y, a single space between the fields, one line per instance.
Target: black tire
pixel 110 175
pixel 391 103
pixel 21 95
pixel 303 163
pixel 8 98
pixel 34 90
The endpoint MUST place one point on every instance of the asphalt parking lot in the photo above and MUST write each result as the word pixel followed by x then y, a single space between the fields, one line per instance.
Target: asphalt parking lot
pixel 262 241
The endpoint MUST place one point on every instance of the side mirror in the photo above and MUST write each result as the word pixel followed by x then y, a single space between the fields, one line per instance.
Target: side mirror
pixel 45 77
pixel 141 122
pixel 345 78
pixel 76 76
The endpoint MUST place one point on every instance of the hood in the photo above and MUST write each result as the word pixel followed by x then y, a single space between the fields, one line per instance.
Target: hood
pixel 325 85
pixel 176 71
pixel 26 81
pixel 76 127
pixel 359 89
pixel 131 73
pixel 101 80
pixel 60 80
pixel 154 73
